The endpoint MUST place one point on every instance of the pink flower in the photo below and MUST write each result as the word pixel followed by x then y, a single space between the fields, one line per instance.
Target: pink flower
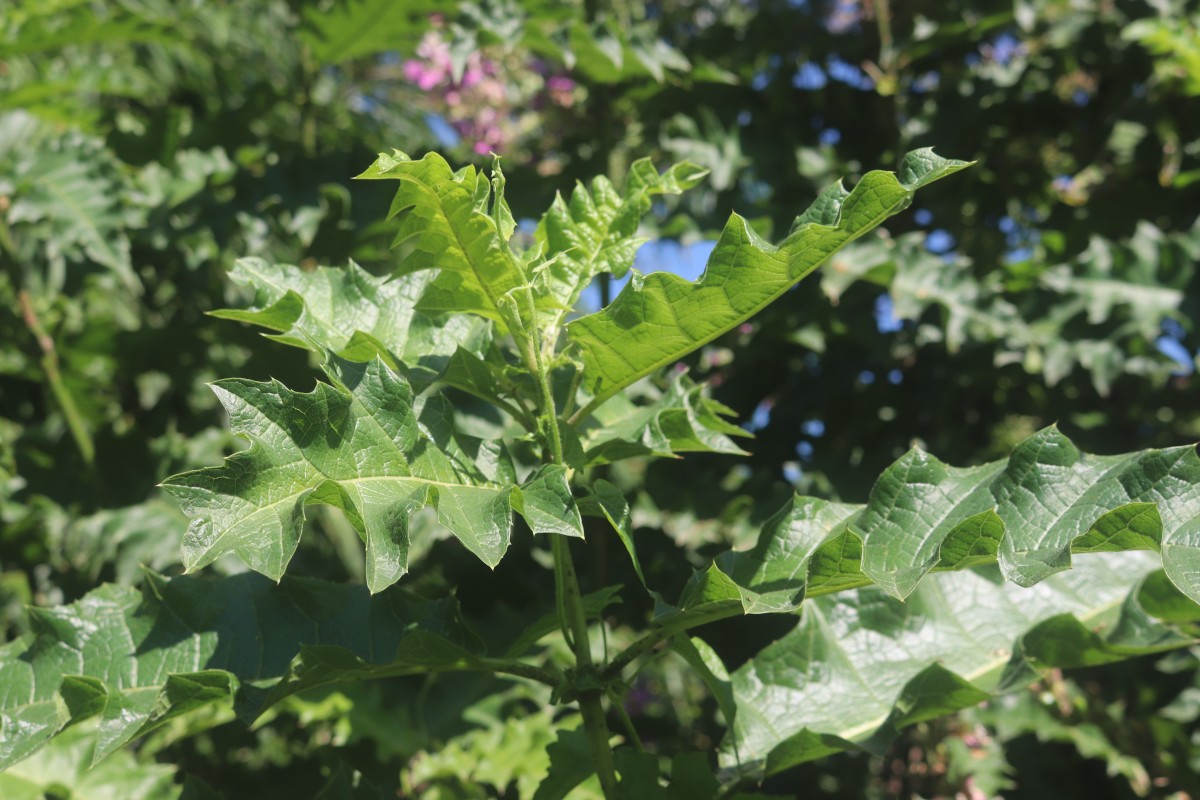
pixel 482 147
pixel 420 74
pixel 492 92
pixel 561 88
pixel 413 70
pixel 434 50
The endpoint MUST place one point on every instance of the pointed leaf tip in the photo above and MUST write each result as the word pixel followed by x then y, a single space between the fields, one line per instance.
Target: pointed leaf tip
pixel 660 318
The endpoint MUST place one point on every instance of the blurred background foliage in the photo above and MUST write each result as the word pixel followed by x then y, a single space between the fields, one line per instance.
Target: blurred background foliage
pixel 145 144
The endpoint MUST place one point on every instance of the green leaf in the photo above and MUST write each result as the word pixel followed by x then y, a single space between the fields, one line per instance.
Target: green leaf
pixel 445 220
pixel 128 538
pixel 570 765
pixel 681 419
pixel 1100 311
pixel 607 52
pixel 1029 513
pixel 861 666
pixel 136 659
pixel 546 503
pixel 708 665
pixel 72 189
pixel 353 313
pixel 639 772
pixel 692 778
pixel 348 29
pixel 505 752
pixel 51 30
pixel 596 231
pixel 659 318
pixel 365 446
pixel 608 501
pixel 64 769
pixel 1026 713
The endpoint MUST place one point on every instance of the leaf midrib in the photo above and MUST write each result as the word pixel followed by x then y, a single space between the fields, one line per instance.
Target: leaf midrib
pixel 793 280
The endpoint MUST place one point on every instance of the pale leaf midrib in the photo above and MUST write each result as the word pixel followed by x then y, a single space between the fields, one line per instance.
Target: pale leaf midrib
pixel 865 227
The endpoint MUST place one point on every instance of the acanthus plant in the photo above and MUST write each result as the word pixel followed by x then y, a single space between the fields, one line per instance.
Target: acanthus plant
pixel 881 642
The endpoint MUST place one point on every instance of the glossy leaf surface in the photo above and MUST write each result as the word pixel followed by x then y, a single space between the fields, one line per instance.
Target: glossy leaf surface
pixel 1030 513
pixel 863 665
pixel 352 313
pixel 659 318
pixel 366 446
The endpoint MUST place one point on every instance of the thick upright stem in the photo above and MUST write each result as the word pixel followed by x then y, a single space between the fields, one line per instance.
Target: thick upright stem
pixel 570 605
pixel 590 705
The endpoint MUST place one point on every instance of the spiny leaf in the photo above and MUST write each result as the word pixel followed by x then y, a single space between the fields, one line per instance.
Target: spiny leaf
pixel 861 666
pixel 136 659
pixel 352 313
pixel 444 217
pixel 596 231
pixel 1029 513
pixel 681 419
pixel 659 318
pixel 367 447
pixel 66 764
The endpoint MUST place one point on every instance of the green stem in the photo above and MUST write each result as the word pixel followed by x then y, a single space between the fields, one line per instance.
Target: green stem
pixel 887 50
pixel 576 379
pixel 79 431
pixel 514 411
pixel 549 416
pixel 596 729
pixel 550 677
pixel 665 630
pixel 590 704
pixel 570 605
pixel 628 723
pixel 585 412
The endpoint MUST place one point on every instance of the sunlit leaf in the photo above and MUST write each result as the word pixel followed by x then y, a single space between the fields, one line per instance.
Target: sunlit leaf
pixel 659 318
pixel 861 666
pixel 368 447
